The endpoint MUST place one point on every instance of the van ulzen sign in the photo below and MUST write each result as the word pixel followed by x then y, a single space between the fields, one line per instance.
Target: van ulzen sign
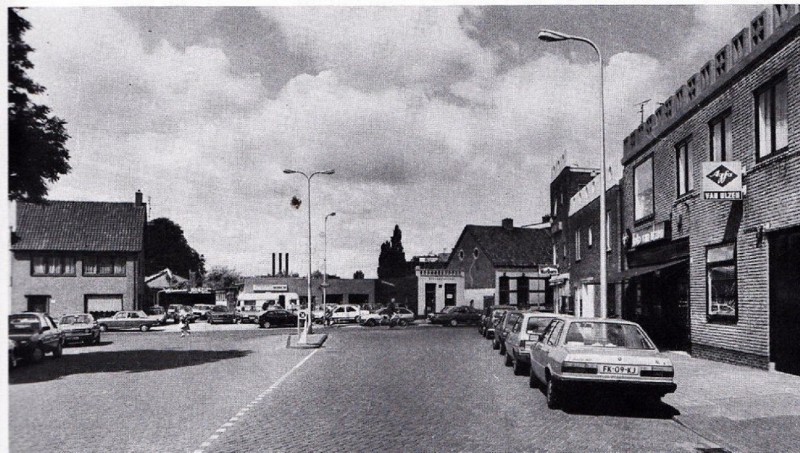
pixel 722 180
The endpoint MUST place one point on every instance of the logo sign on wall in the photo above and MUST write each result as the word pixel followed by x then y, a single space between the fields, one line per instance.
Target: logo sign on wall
pixel 722 180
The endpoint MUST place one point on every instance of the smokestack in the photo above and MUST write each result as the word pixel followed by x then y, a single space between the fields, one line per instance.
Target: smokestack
pixel 287 264
pixel 280 263
pixel 508 224
pixel 273 264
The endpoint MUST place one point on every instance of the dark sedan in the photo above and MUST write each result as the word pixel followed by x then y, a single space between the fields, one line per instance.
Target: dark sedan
pixel 453 316
pixel 277 318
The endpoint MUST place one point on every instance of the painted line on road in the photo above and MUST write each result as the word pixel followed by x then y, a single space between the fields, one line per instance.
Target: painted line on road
pixel 232 421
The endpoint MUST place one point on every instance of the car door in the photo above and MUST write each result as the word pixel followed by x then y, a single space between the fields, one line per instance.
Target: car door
pixel 119 320
pixel 539 351
pixel 554 355
pixel 338 314
pixel 50 336
pixel 351 313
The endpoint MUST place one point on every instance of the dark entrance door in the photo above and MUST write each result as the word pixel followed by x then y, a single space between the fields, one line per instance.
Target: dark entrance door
pixel 449 293
pixel 430 298
pixel 784 301
pixel 39 304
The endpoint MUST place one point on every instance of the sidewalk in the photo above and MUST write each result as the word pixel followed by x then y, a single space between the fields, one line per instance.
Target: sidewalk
pixel 740 408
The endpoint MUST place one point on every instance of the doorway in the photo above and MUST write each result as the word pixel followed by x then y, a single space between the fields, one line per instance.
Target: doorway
pixel 39 304
pixel 784 300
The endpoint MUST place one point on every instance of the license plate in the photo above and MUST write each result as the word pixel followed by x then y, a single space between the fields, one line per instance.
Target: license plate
pixel 619 369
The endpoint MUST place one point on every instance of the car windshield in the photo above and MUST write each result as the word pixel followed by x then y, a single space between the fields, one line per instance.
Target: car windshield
pixel 537 325
pixel 219 309
pixel 23 324
pixel 608 335
pixel 75 319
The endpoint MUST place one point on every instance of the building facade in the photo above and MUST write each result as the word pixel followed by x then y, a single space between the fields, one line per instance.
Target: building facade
pixel 78 257
pixel 725 261
pixel 437 289
pixel 288 292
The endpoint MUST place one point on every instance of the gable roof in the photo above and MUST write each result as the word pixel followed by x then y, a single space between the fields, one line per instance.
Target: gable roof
pixel 510 247
pixel 80 226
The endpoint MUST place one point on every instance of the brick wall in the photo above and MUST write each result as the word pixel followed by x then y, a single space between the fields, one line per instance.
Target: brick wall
pixel 478 272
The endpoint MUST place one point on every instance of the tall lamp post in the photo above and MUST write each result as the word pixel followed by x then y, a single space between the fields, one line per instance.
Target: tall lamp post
pixel 325 264
pixel 307 327
pixel 554 36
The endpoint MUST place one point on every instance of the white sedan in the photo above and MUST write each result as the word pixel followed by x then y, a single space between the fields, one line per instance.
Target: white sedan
pixel 381 317
pixel 582 356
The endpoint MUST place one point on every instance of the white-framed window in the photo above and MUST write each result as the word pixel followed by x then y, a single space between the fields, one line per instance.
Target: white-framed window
pixel 53 265
pixel 578 245
pixel 104 265
pixel 720 140
pixel 683 159
pixel 643 189
pixel 721 282
pixel 772 107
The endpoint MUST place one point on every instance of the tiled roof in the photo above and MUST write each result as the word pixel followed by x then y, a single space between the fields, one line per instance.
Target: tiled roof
pixel 512 247
pixel 80 226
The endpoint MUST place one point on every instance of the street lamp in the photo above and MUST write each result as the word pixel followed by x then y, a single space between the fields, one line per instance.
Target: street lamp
pixel 307 327
pixel 554 36
pixel 325 265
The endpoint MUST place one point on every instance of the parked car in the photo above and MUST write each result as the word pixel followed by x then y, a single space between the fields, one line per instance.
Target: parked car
pixel 277 318
pixel 158 313
pixel 174 312
pixel 453 316
pixel 201 310
pixel 522 336
pixel 382 317
pixel 80 327
pixel 249 313
pixel 35 335
pixel 501 329
pixel 12 354
pixel 587 356
pixel 221 314
pixel 127 320
pixel 346 313
pixel 491 316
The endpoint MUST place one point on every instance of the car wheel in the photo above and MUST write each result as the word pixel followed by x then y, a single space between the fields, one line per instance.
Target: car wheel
pixel 553 395
pixel 453 323
pixel 495 344
pixel 59 351
pixel 502 347
pixel 144 328
pixel 519 368
pixel 265 324
pixel 370 323
pixel 533 381
pixel 509 361
pixel 37 354
pixel 402 323
pixel 103 328
pixel 210 320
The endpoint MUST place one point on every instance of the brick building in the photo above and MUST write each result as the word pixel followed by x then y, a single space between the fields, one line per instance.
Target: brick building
pixel 78 257
pixel 504 265
pixel 729 269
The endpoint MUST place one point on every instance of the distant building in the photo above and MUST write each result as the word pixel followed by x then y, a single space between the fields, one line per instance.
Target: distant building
pixel 707 264
pixel 503 265
pixel 78 257
pixel 287 292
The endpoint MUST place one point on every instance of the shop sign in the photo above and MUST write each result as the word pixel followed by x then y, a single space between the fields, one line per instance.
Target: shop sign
pixel 548 271
pixel 658 232
pixel 269 288
pixel 722 180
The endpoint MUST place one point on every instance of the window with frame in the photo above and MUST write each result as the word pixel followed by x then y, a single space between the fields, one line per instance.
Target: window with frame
pixel 721 282
pixel 720 140
pixel 589 237
pixel 552 339
pixel 104 265
pixel 53 265
pixel 578 245
pixel 772 105
pixel 683 160
pixel 643 189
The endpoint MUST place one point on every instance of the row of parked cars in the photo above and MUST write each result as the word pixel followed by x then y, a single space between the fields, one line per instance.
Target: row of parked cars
pixel 569 357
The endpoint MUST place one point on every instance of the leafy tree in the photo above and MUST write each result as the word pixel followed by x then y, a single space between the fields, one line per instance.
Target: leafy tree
pixel 358 275
pixel 166 246
pixel 36 152
pixel 392 260
pixel 221 277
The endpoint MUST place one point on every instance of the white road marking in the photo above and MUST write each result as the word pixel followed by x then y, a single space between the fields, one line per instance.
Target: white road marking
pixel 258 399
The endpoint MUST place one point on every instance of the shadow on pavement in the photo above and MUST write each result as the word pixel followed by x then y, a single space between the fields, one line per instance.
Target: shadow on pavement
pixel 621 407
pixel 116 361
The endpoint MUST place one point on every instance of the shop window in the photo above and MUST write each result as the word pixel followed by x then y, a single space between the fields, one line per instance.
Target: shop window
pixel 720 141
pixel 53 265
pixel 684 167
pixel 643 190
pixel 772 133
pixel 104 265
pixel 721 283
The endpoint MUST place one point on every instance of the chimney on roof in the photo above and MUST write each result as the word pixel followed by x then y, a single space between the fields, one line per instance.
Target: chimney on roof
pixel 139 198
pixel 508 224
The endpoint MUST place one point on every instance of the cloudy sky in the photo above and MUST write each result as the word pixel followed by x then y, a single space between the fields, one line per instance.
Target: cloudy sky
pixel 433 118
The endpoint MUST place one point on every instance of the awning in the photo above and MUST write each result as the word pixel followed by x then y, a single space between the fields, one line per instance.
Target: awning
pixel 637 271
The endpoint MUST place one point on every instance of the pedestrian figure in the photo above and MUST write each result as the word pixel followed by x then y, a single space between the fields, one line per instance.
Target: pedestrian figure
pixel 185 327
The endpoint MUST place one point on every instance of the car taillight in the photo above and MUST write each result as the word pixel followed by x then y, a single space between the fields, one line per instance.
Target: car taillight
pixel 579 367
pixel 658 371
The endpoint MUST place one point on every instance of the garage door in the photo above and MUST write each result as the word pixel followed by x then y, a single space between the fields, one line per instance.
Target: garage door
pixel 104 303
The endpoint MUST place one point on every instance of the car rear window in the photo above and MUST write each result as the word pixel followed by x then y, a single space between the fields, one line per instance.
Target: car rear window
pixel 23 324
pixel 608 334
pixel 537 325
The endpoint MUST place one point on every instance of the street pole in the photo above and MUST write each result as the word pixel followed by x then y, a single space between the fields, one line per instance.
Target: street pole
pixel 325 266
pixel 554 36
pixel 307 327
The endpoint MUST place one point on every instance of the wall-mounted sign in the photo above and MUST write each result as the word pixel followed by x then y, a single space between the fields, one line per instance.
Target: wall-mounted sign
pixel 722 180
pixel 548 271
pixel 269 288
pixel 657 232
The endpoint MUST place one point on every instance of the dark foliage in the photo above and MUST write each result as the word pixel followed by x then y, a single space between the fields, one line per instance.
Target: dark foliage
pixel 166 246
